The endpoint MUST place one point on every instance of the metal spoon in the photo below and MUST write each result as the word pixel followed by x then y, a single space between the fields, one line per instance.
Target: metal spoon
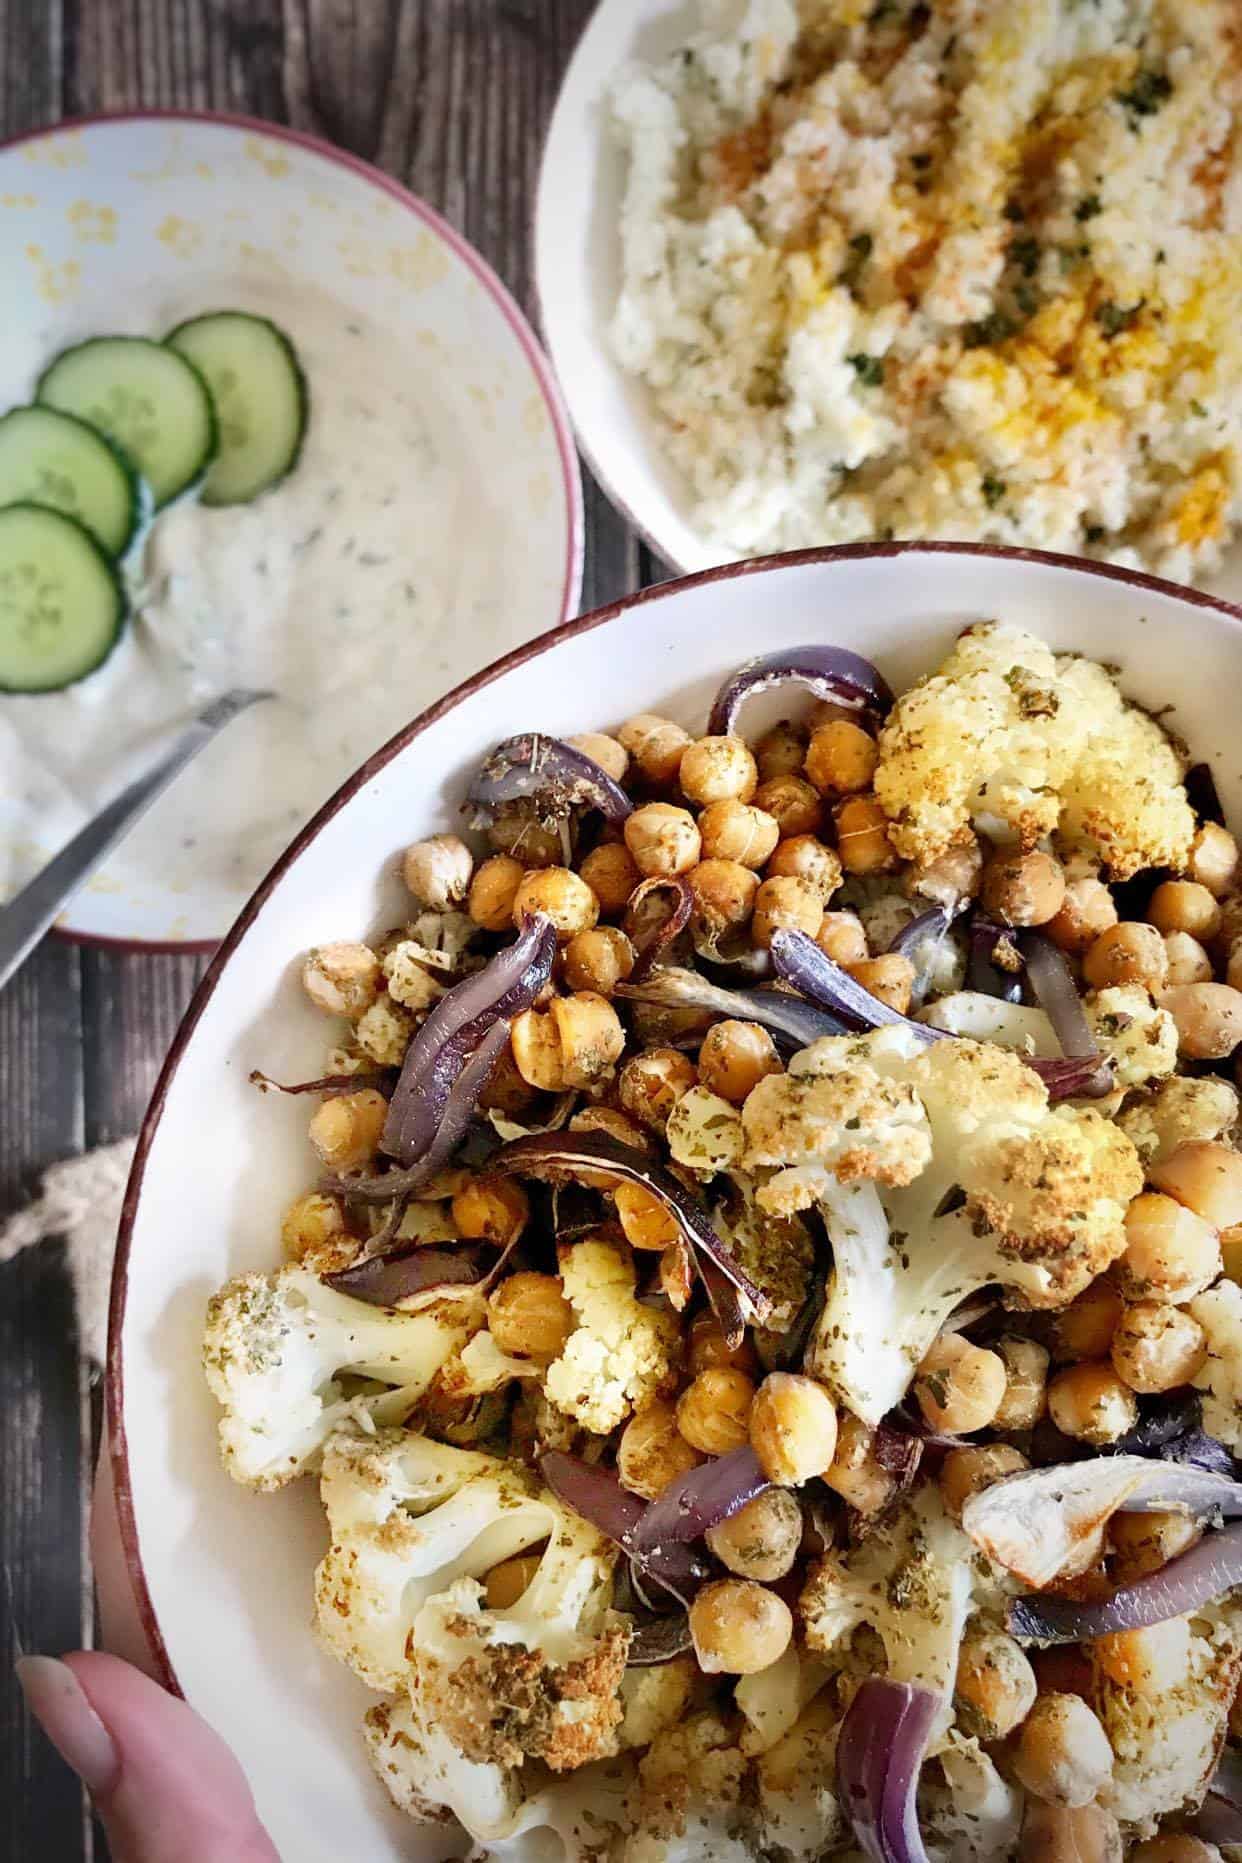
pixel 28 915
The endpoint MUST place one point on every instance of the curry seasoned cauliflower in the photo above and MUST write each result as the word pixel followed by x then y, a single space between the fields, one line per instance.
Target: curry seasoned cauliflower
pixel 1219 1312
pixel 1138 1037
pixel 621 1353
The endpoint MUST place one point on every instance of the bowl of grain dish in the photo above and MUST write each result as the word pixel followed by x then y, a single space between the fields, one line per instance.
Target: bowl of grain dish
pixel 814 271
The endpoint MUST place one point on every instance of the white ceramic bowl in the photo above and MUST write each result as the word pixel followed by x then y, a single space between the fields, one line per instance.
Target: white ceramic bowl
pixel 126 223
pixel 577 276
pixel 222 1577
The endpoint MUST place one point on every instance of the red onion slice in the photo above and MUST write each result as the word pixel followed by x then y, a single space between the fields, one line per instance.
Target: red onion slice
pixel 1219 1819
pixel 788 1017
pixel 1052 980
pixel 724 1300
pixel 1186 1584
pixel 327 1084
pixel 696 1502
pixel 920 941
pixel 649 941
pixel 595 1151
pixel 829 672
pixel 880 1751
pixel 455 1027
pixel 597 1494
pixel 393 1279
pixel 659 1641
pixel 982 972
pixel 532 767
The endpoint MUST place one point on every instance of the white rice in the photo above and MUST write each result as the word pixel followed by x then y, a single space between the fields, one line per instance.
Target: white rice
pixel 971 270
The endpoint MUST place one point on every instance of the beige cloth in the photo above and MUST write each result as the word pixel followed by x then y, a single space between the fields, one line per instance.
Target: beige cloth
pixel 80 1199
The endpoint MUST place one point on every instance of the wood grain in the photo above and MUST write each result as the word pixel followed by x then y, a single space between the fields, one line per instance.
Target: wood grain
pixel 451 96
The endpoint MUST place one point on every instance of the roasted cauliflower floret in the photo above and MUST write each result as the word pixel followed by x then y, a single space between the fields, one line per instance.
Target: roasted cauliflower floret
pixel 1017 742
pixel 622 1352
pixel 968 1812
pixel 276 1346
pixel 1184 1107
pixel 689 1800
pixel 1139 1038
pixel 800 1816
pixel 1219 1312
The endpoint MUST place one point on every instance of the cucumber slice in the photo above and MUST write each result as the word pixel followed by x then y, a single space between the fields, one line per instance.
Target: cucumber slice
pixel 62 606
pixel 259 389
pixel 151 402
pixel 54 459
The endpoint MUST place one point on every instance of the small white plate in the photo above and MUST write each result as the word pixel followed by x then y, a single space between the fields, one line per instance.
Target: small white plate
pixel 127 223
pixel 223 1577
pixel 578 275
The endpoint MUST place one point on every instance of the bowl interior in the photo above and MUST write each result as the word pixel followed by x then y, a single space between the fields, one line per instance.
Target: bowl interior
pixel 126 225
pixel 227 1574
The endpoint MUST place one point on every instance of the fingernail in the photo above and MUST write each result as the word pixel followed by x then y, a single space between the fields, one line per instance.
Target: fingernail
pixel 55 1698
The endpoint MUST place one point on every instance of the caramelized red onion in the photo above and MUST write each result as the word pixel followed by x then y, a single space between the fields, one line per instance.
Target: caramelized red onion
pixel 659 1641
pixel 545 770
pixel 1185 1584
pixel 880 1751
pixel 649 940
pixel 790 1019
pixel 829 672
pixel 983 973
pixel 1055 991
pixel 327 1084
pixel 698 1501
pixel 395 1279
pixel 920 941
pixel 598 1495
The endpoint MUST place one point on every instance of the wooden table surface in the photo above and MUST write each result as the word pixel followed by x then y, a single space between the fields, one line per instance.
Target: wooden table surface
pixel 452 97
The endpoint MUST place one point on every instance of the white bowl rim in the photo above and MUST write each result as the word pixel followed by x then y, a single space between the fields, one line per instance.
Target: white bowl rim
pixel 114 1375
pixel 485 276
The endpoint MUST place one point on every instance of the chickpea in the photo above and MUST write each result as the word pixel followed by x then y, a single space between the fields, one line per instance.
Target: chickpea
pixel 644 1219
pixel 1206 1177
pixel 1086 912
pixel 1023 889
pixel 1157 1347
pixel 1233 965
pixel 718 769
pixel 762 1539
pixel 855 1474
pixel 1185 906
pixel 506 1091
pixel 1148 1661
pixel 1142 1543
pixel 1085 1328
pixel 529 1317
pixel 780 751
pixel 506 1582
pixel 738 831
pixel 841 758
pixel 724 894
pixel 652 1083
pixel 536 1049
pixel 663 839
pixel 652 1452
pixel 534 843
pixel 736 1056
pixel 792 802
pixel 785 905
pixel 342 979
pixel 739 1627
pixel 804 857
pixel 706 1347
pixel 610 873
pixel 1171 1252
pixel 967 1472
pixel 590 1036
pixel 1230 921
pixel 345 1130
pixel 1208 1018
pixel 959 1386
pixel 312 1224
pixel 793 1428
pixel 890 977
pixel 1055 1834
pixel 862 836
pixel 562 895
pixel 1175 1847
pixel 1026 1384
pixel 1188 961
pixel 995 1682
pixel 1090 1403
pixel 1127 953
pixel 438 871
pixel 656 745
pixel 491 1209
pixel 1063 1755
pixel 493 891
pixel 949 879
pixel 842 938
pixel 598 960
pixel 1214 858
pixel 713 1412
pixel 610 754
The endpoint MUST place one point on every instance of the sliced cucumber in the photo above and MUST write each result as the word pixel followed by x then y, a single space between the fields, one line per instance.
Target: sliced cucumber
pixel 54 459
pixel 259 389
pixel 62 606
pixel 146 398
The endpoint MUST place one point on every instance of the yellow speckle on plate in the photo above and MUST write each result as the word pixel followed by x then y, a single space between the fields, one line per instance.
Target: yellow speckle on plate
pixel 19 200
pixel 540 493
pixel 93 224
pixel 182 237
pixel 268 156
pixel 421 265
pixel 54 283
pixel 534 415
pixel 61 151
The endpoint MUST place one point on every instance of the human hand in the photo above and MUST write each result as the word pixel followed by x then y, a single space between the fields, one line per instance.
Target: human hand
pixel 166 1786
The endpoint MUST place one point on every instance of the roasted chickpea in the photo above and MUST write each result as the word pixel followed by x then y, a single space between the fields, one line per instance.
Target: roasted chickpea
pixel 1063 1754
pixel 706 1347
pixel 856 1474
pixel 662 839
pixel 1175 1847
pixel 1185 906
pixel 1090 1403
pixel 1208 1018
pixel 345 1130
pixel 591 1037
pixel 534 843
pixel 1214 858
pixel 738 831
pixel 1026 1384
pixel 610 873
pixel 724 894
pixel 313 1224
pixel 506 1582
pixel 561 895
pixel 536 1048
pixel 841 758
pixel 1023 889
pixel 842 938
pixel 609 752
pixel 792 802
pixel 1085 1328
pixel 1233 965
pixel 598 960
pixel 862 836
pixel 718 769
pixel 780 751
pixel 1057 1834
pixel 493 891
pixel 1157 1347
pixel 491 1209
pixel 804 857
pixel 967 1472
pixel 736 1056
pixel 652 1451
pixel 1188 961
pixel 890 977
pixel 506 1091
pixel 959 1386
pixel 739 1627
pixel 529 1317
pixel 785 905
pixel 1085 913
pixel 1127 953
pixel 793 1428
pixel 950 878
pixel 1206 1177
pixel 761 1540
pixel 656 746
pixel 1149 1661
pixel 995 1683
pixel 438 871
pixel 651 1084
pixel 1172 1253
pixel 713 1412
pixel 342 979
pixel 643 1218
pixel 1142 1543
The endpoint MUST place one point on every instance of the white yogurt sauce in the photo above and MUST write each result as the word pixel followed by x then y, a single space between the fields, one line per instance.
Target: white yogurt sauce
pixel 357 590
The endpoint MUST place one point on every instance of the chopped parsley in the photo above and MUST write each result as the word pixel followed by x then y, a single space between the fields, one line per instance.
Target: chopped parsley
pixel 1197 408
pixel 1114 318
pixel 1087 208
pixel 1148 92
pixel 1015 212
pixel 920 162
pixel 862 244
pixel 1092 532
pixel 1026 300
pixel 869 369
pixel 1025 254
pixel 991 329
pixel 994 490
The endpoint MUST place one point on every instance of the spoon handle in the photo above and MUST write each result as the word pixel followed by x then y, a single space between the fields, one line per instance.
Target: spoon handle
pixel 29 913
